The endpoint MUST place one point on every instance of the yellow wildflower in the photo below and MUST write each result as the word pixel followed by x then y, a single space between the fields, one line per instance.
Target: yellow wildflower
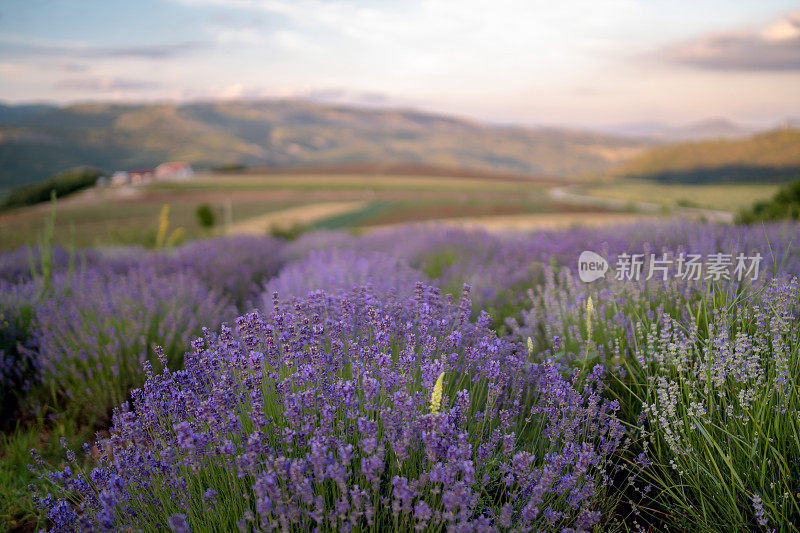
pixel 436 397
pixel 589 313
pixel 163 225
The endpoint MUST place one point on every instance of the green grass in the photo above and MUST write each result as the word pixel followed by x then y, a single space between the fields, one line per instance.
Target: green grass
pixel 125 222
pixel 724 197
pixel 709 464
pixel 17 512
pixel 353 218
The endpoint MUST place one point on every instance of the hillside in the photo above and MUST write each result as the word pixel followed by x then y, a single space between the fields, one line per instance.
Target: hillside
pixel 715 128
pixel 37 141
pixel 772 156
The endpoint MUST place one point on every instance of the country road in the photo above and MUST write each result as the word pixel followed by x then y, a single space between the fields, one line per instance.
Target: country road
pixel 568 195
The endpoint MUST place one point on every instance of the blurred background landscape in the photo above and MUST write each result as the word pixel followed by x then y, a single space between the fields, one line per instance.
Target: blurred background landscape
pixel 281 117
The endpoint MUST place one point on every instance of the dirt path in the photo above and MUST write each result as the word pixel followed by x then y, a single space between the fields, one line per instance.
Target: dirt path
pixel 530 222
pixel 286 218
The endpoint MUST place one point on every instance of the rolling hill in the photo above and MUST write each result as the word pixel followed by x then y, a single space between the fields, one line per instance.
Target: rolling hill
pixel 772 156
pixel 39 140
pixel 715 128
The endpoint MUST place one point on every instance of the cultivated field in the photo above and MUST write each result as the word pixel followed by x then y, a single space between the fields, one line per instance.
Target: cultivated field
pixel 261 203
pixel 726 197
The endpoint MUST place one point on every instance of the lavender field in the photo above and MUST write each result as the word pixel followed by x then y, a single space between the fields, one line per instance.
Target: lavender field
pixel 417 378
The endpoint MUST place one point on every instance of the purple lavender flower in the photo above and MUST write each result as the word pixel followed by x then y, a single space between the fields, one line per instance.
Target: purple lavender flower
pixel 337 270
pixel 93 334
pixel 178 524
pixel 758 508
pixel 236 266
pixel 333 390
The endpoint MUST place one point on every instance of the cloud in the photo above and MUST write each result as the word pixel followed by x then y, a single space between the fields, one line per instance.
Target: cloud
pixel 158 51
pixel 776 48
pixel 14 46
pixel 481 39
pixel 345 96
pixel 322 95
pixel 72 67
pixel 106 84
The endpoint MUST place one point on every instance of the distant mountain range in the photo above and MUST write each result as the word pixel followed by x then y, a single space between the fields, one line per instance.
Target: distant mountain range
pixel 39 140
pixel 704 130
pixel 766 157
pixel 718 128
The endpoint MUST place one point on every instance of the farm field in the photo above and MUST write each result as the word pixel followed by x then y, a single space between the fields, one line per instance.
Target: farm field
pixel 726 197
pixel 269 203
pixel 411 377
pixel 130 215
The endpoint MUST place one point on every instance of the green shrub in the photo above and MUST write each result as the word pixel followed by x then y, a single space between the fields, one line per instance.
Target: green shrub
pixel 230 167
pixel 784 205
pixel 62 184
pixel 205 216
pixel 288 233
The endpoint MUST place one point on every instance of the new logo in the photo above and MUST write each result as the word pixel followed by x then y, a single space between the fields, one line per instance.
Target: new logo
pixel 591 266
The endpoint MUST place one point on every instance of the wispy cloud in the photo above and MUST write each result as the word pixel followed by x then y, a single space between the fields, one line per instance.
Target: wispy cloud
pixel 106 84
pixel 18 46
pixel 323 95
pixel 775 48
pixel 431 37
pixel 345 96
pixel 72 67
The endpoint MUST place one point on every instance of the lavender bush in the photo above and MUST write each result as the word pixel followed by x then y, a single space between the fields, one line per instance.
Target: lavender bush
pixel 237 266
pixel 19 265
pixel 501 268
pixel 16 313
pixel 557 305
pixel 721 408
pixel 92 336
pixel 341 270
pixel 572 320
pixel 26 264
pixel 498 268
pixel 704 372
pixel 339 413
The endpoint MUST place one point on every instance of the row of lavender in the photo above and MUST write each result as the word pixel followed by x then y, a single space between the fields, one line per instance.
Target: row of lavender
pixel 77 328
pixel 364 398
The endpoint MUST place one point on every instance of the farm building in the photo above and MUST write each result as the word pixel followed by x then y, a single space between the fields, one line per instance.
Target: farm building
pixel 141 175
pixel 174 170
pixel 120 178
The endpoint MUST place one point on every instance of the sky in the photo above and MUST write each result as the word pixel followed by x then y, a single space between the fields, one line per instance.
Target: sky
pixel 584 63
